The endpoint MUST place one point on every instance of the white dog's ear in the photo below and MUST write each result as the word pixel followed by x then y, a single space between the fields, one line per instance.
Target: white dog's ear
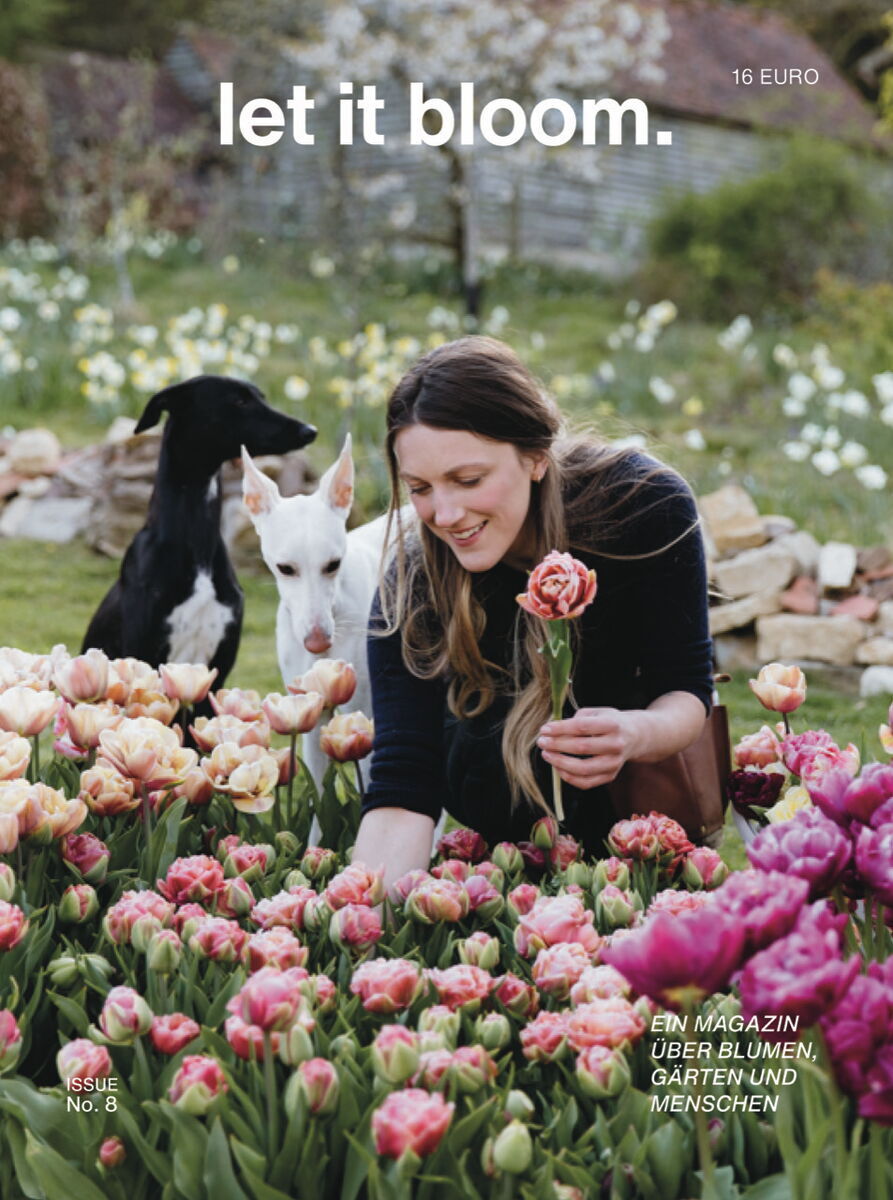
pixel 259 492
pixel 336 486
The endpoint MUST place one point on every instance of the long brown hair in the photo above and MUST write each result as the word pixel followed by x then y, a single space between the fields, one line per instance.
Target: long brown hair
pixel 479 385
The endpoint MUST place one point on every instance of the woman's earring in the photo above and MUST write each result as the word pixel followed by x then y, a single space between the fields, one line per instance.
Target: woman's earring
pixel 538 473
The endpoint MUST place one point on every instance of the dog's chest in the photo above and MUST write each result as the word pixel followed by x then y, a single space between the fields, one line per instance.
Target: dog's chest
pixel 196 627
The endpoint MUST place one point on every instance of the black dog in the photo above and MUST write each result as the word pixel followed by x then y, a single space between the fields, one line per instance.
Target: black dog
pixel 177 598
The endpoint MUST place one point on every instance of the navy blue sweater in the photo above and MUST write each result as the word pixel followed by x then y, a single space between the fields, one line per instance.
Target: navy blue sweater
pixel 644 635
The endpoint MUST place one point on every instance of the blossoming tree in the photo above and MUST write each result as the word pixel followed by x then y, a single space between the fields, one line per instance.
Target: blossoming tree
pixel 524 50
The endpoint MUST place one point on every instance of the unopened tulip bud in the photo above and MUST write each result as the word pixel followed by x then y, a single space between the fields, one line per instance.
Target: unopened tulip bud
pixel 318 863
pixel 112 1153
pixel 88 855
pixel 197 1084
pixel 63 971
pixel 544 833
pixel 439 1019
pixel 602 1072
pixel 143 930
pixel 395 1053
pixel 480 950
pixel 344 1046
pixel 164 952
pixel 615 908
pixel 579 873
pixel 319 1086
pixel 296 1042
pixel 508 858
pixel 493 1031
pixel 10 1040
pixel 235 898
pixel 125 1015
pixel 472 1068
pixel 355 927
pixel 95 968
pixel 295 879
pixel 716 1133
pixel 513 1149
pixel 7 882
pixel 519 1105
pixel 287 844
pixel 610 870
pixel 703 868
pixel 725 1006
pixel 78 904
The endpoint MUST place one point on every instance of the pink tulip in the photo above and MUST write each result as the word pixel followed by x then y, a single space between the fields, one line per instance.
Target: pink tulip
pixel 171 1032
pixel 219 939
pixel 856 1028
pixel 242 703
pixel 410 1119
pixel 13 925
pixel 609 1022
pixel 472 1068
pixel 355 927
pixel 208 734
pixel 275 947
pixel 235 899
pixel 557 968
pixel 434 1067
pixel 395 1053
pixel 333 678
pixel 347 737
pixel 88 855
pixel 674 901
pixel 461 986
pixel 555 919
pixel 82 1060
pixel 876 1102
pixel 189 683
pixel 635 839
pixel 197 1084
pixel 409 882
pixel 386 985
pixel 285 908
pixel 84 678
pixel 808 845
pixel 758 749
pixel 801 975
pixel 85 722
pixel 125 1015
pixel 455 869
pixel 196 878
pixel 566 850
pixel 112 1152
pixel 602 1072
pixel 874 861
pixel 599 983
pixel 106 792
pixel 703 868
pixel 269 999
pixel 292 715
pixel 480 950
pixel 355 885
pixel 318 862
pixel 15 755
pixel 519 998
pixel 484 900
pixel 464 844
pixel 544 1039
pixel 766 903
pixel 77 904
pixel 558 588
pixel 437 900
pixel 779 688
pixel 122 916
pixel 319 1086
pixel 10 1040
pixel 247 1041
pixel 797 749
pixel 672 959
pixel 26 711
pixel 522 898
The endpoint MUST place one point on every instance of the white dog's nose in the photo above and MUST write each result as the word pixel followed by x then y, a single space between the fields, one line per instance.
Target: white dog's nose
pixel 317 640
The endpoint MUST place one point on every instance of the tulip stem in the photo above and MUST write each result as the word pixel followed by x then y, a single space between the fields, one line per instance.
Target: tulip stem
pixel 35 759
pixel 837 1113
pixel 880 932
pixel 702 1133
pixel 292 771
pixel 147 827
pixel 270 1089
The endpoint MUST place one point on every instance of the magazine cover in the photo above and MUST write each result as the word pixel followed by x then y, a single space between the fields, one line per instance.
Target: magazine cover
pixel 446 595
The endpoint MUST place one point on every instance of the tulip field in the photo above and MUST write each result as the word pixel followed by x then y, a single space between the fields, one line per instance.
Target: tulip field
pixel 197 1003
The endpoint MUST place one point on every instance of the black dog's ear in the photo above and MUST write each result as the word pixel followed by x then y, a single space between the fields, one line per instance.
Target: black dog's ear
pixel 163 401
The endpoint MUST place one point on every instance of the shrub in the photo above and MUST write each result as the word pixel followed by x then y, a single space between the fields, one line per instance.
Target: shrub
pixel 755 246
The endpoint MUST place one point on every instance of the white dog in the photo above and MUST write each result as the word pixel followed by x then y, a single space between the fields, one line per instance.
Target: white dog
pixel 326 576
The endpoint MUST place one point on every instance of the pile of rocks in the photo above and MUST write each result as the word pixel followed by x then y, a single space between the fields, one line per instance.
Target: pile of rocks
pixel 102 492
pixel 781 596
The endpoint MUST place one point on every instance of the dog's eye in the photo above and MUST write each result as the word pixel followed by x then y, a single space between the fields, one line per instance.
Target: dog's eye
pixel 332 566
pixel 286 569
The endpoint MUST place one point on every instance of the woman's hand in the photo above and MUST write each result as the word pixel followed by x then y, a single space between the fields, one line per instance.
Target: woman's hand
pixel 589 748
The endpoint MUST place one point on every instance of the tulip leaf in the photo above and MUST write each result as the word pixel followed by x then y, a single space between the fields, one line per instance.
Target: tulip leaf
pixel 358 1163
pixel 14 1136
pixel 216 1011
pixel 42 1113
pixel 669 1152
pixel 247 1157
pixel 165 838
pixel 774 1187
pixel 219 1177
pixel 73 1012
pixel 819 1143
pixel 190 1143
pixel 462 1133
pixel 37 942
pixel 723 1183
pixel 157 1162
pixel 55 1175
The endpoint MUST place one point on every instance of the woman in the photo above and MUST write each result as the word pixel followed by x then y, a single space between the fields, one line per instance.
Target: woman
pixel 461 697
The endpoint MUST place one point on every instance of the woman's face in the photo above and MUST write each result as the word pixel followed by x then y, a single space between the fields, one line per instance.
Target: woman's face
pixel 472 493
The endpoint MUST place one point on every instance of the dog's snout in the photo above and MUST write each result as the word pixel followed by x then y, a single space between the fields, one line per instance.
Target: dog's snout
pixel 317 640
